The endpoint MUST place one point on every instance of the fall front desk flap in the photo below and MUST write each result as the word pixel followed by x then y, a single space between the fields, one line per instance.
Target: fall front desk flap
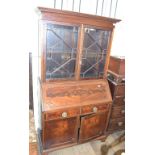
pixel 74 93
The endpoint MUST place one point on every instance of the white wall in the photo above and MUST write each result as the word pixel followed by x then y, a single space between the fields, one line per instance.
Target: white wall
pixel 120 31
pixel 32 44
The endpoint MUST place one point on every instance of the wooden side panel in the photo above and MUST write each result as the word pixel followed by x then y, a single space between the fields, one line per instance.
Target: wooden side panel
pixel 117 65
pixel 60 132
pixel 92 126
pixel 122 68
pixel 114 65
pixel 42 40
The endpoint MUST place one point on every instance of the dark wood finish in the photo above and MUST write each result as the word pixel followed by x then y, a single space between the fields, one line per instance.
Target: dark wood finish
pixel 116 69
pixel 60 132
pixel 116 79
pixel 117 65
pixel 120 90
pixel 74 110
pixel 119 100
pixel 118 111
pixel 42 39
pixel 92 126
pixel 75 99
pixel 79 54
pixel 72 18
pixel 117 124
pixel 91 108
pixel 57 114
pixel 76 18
pixel 116 89
pixel 58 95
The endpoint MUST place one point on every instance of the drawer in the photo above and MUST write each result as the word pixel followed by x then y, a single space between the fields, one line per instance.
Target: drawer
pixel 120 90
pixel 116 89
pixel 119 100
pixel 118 111
pixel 94 108
pixel 116 124
pixel 62 113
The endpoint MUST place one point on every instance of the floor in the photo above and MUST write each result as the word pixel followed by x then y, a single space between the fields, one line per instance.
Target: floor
pixel 91 148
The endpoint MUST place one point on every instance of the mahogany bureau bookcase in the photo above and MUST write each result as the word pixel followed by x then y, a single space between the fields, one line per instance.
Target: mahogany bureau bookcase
pixel 75 95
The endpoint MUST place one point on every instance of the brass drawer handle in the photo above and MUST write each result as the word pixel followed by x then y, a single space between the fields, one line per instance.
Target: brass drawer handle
pixel 123 111
pixel 120 123
pixel 64 114
pixel 95 109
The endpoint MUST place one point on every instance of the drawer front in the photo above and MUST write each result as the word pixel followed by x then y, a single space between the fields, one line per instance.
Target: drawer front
pixel 119 101
pixel 120 90
pixel 94 108
pixel 62 113
pixel 118 111
pixel 117 124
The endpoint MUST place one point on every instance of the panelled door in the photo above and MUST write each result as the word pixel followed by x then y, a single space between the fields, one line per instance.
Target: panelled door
pixel 60 131
pixel 92 126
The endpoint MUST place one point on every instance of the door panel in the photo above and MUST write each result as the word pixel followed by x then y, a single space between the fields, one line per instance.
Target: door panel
pixel 61 131
pixel 95 46
pixel 61 49
pixel 92 126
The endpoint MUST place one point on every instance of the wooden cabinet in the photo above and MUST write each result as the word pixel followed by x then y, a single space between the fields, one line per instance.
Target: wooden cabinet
pixel 116 69
pixel 117 87
pixel 74 112
pixel 75 95
pixel 117 65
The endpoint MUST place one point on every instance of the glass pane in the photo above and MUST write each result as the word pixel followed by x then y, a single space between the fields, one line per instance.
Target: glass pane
pixel 94 52
pixel 61 51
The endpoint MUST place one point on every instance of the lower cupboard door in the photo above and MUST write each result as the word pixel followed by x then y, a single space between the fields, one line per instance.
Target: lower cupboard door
pixel 92 126
pixel 60 132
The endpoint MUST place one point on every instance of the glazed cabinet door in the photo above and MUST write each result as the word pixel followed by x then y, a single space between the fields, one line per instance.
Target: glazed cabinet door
pixel 61 51
pixel 59 132
pixel 92 126
pixel 95 46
